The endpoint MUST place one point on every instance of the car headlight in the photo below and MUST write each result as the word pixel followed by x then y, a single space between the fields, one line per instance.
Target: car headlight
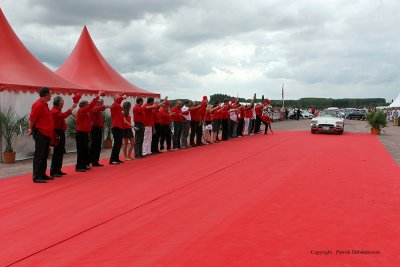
pixel 339 123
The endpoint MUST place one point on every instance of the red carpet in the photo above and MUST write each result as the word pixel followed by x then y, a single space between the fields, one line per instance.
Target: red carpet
pixel 256 201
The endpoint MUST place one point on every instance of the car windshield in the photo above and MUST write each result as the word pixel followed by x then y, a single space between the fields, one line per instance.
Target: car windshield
pixel 328 113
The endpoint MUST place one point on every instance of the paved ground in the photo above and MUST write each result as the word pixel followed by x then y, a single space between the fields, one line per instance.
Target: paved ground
pixel 390 138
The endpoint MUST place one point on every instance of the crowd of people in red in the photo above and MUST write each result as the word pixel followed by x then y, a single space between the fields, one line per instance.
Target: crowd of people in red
pixel 158 127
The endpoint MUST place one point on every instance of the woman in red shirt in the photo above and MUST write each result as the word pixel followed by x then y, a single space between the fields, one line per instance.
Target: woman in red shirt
pixel 127 132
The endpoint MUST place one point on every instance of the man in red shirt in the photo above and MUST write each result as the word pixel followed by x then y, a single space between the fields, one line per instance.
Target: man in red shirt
pixel 194 123
pixel 149 123
pixel 155 141
pixel 41 126
pixel 258 109
pixel 165 125
pixel 139 118
pixel 216 121
pixel 117 126
pixel 177 119
pixel 59 129
pixel 97 131
pixel 83 128
pixel 225 118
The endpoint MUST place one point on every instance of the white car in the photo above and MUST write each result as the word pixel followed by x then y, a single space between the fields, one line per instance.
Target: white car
pixel 328 121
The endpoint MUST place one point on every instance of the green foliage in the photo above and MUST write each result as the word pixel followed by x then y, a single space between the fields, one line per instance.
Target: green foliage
pixel 377 119
pixel 11 126
pixel 71 124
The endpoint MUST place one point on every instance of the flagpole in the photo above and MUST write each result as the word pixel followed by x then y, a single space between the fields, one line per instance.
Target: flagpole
pixel 283 95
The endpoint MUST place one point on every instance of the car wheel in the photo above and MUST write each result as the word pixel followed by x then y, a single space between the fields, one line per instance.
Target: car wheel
pixel 312 131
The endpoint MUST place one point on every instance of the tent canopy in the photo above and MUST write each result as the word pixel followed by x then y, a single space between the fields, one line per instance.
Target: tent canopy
pixel 396 103
pixel 87 67
pixel 21 71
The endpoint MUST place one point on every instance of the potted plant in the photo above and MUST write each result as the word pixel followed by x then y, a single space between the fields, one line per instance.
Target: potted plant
pixel 107 143
pixel 11 126
pixel 377 120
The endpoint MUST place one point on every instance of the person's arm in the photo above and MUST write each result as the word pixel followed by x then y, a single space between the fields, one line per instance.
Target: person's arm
pixel 65 114
pixel 36 110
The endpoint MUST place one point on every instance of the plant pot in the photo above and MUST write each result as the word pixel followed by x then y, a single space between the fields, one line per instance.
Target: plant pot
pixel 9 157
pixel 107 144
pixel 375 131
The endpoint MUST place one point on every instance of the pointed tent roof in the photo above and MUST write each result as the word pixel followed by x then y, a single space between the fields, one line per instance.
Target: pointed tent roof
pixel 396 103
pixel 87 67
pixel 21 71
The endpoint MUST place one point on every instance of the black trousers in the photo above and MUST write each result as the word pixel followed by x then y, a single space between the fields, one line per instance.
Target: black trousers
pixel 266 127
pixel 199 133
pixel 42 144
pixel 116 148
pixel 82 147
pixel 96 136
pixel 193 131
pixel 231 126
pixel 165 136
pixel 240 127
pixel 177 134
pixel 139 137
pixel 258 124
pixel 225 128
pixel 58 154
pixel 156 137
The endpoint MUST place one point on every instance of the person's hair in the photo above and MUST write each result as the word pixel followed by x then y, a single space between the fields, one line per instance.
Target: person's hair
pixel 139 100
pixel 125 108
pixel 150 100
pixel 44 91
pixel 216 103
pixel 83 103
pixel 226 100
pixel 57 100
pixel 187 102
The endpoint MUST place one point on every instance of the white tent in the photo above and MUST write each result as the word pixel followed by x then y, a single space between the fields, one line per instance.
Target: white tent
pixel 396 103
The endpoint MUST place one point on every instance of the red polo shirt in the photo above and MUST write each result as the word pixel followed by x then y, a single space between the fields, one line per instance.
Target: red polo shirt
pixel 259 110
pixel 248 113
pixel 156 116
pixel 149 119
pixel 129 120
pixel 207 116
pixel 178 114
pixel 83 121
pixel 164 115
pixel 41 118
pixel 195 114
pixel 96 116
pixel 59 118
pixel 216 115
pixel 117 118
pixel 138 114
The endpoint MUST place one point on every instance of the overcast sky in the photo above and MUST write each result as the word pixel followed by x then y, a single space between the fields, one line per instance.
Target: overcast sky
pixel 191 48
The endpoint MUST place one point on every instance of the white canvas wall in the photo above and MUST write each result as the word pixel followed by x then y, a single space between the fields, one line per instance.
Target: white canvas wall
pixel 22 103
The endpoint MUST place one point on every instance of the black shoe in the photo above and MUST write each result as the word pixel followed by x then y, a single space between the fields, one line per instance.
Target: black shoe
pixel 61 173
pixel 47 177
pixel 97 165
pixel 40 181
pixel 80 170
pixel 88 168
pixel 114 163
pixel 54 175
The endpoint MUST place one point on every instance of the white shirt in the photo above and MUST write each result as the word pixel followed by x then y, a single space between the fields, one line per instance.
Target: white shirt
pixel 187 117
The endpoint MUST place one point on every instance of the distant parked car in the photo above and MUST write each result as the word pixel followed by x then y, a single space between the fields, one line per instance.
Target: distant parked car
pixel 306 115
pixel 347 111
pixel 359 114
pixel 327 122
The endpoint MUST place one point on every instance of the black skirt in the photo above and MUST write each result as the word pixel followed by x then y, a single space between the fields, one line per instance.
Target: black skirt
pixel 128 133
